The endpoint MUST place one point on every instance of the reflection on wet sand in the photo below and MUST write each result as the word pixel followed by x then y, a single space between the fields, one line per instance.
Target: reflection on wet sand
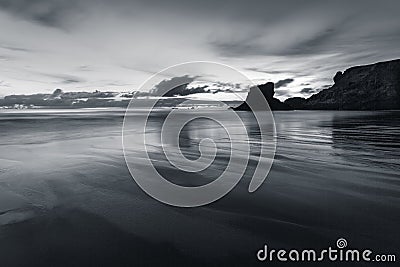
pixel 374 135
pixel 67 197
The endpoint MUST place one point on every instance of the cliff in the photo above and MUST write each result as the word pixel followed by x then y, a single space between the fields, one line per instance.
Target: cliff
pixel 268 91
pixel 369 87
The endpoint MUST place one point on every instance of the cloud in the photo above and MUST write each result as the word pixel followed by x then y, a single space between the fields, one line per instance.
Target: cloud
pixel 4 84
pixel 71 81
pixel 309 90
pixel 283 83
pixel 45 12
pixel 223 90
pixel 90 41
pixel 15 48
pixel 282 92
pixel 264 71
pixel 65 79
pixel 177 86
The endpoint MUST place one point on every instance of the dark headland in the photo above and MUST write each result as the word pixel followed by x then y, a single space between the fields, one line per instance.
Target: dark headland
pixel 369 87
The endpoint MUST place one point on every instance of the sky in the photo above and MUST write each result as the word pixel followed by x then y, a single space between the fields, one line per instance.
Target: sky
pixel 86 45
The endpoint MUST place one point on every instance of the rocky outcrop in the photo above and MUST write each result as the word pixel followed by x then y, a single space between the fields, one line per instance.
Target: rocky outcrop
pixel 369 87
pixel 296 102
pixel 268 91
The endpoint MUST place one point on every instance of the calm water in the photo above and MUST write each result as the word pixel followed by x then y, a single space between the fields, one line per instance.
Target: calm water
pixel 67 198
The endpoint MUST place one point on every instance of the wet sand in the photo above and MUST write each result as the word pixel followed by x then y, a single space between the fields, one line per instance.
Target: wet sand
pixel 67 198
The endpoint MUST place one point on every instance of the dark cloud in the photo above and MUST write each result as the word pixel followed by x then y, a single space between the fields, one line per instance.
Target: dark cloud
pixel 314 40
pixel 67 81
pixel 265 71
pixel 223 90
pixel 318 43
pixel 282 83
pixel 55 13
pixel 46 12
pixel 177 86
pixel 308 90
pixel 315 27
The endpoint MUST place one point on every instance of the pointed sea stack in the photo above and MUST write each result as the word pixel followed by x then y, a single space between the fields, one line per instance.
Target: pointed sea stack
pixel 268 91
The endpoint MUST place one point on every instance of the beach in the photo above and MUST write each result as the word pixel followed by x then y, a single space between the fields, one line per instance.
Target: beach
pixel 67 197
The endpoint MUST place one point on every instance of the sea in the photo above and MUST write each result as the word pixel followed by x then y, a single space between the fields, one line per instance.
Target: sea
pixel 67 197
